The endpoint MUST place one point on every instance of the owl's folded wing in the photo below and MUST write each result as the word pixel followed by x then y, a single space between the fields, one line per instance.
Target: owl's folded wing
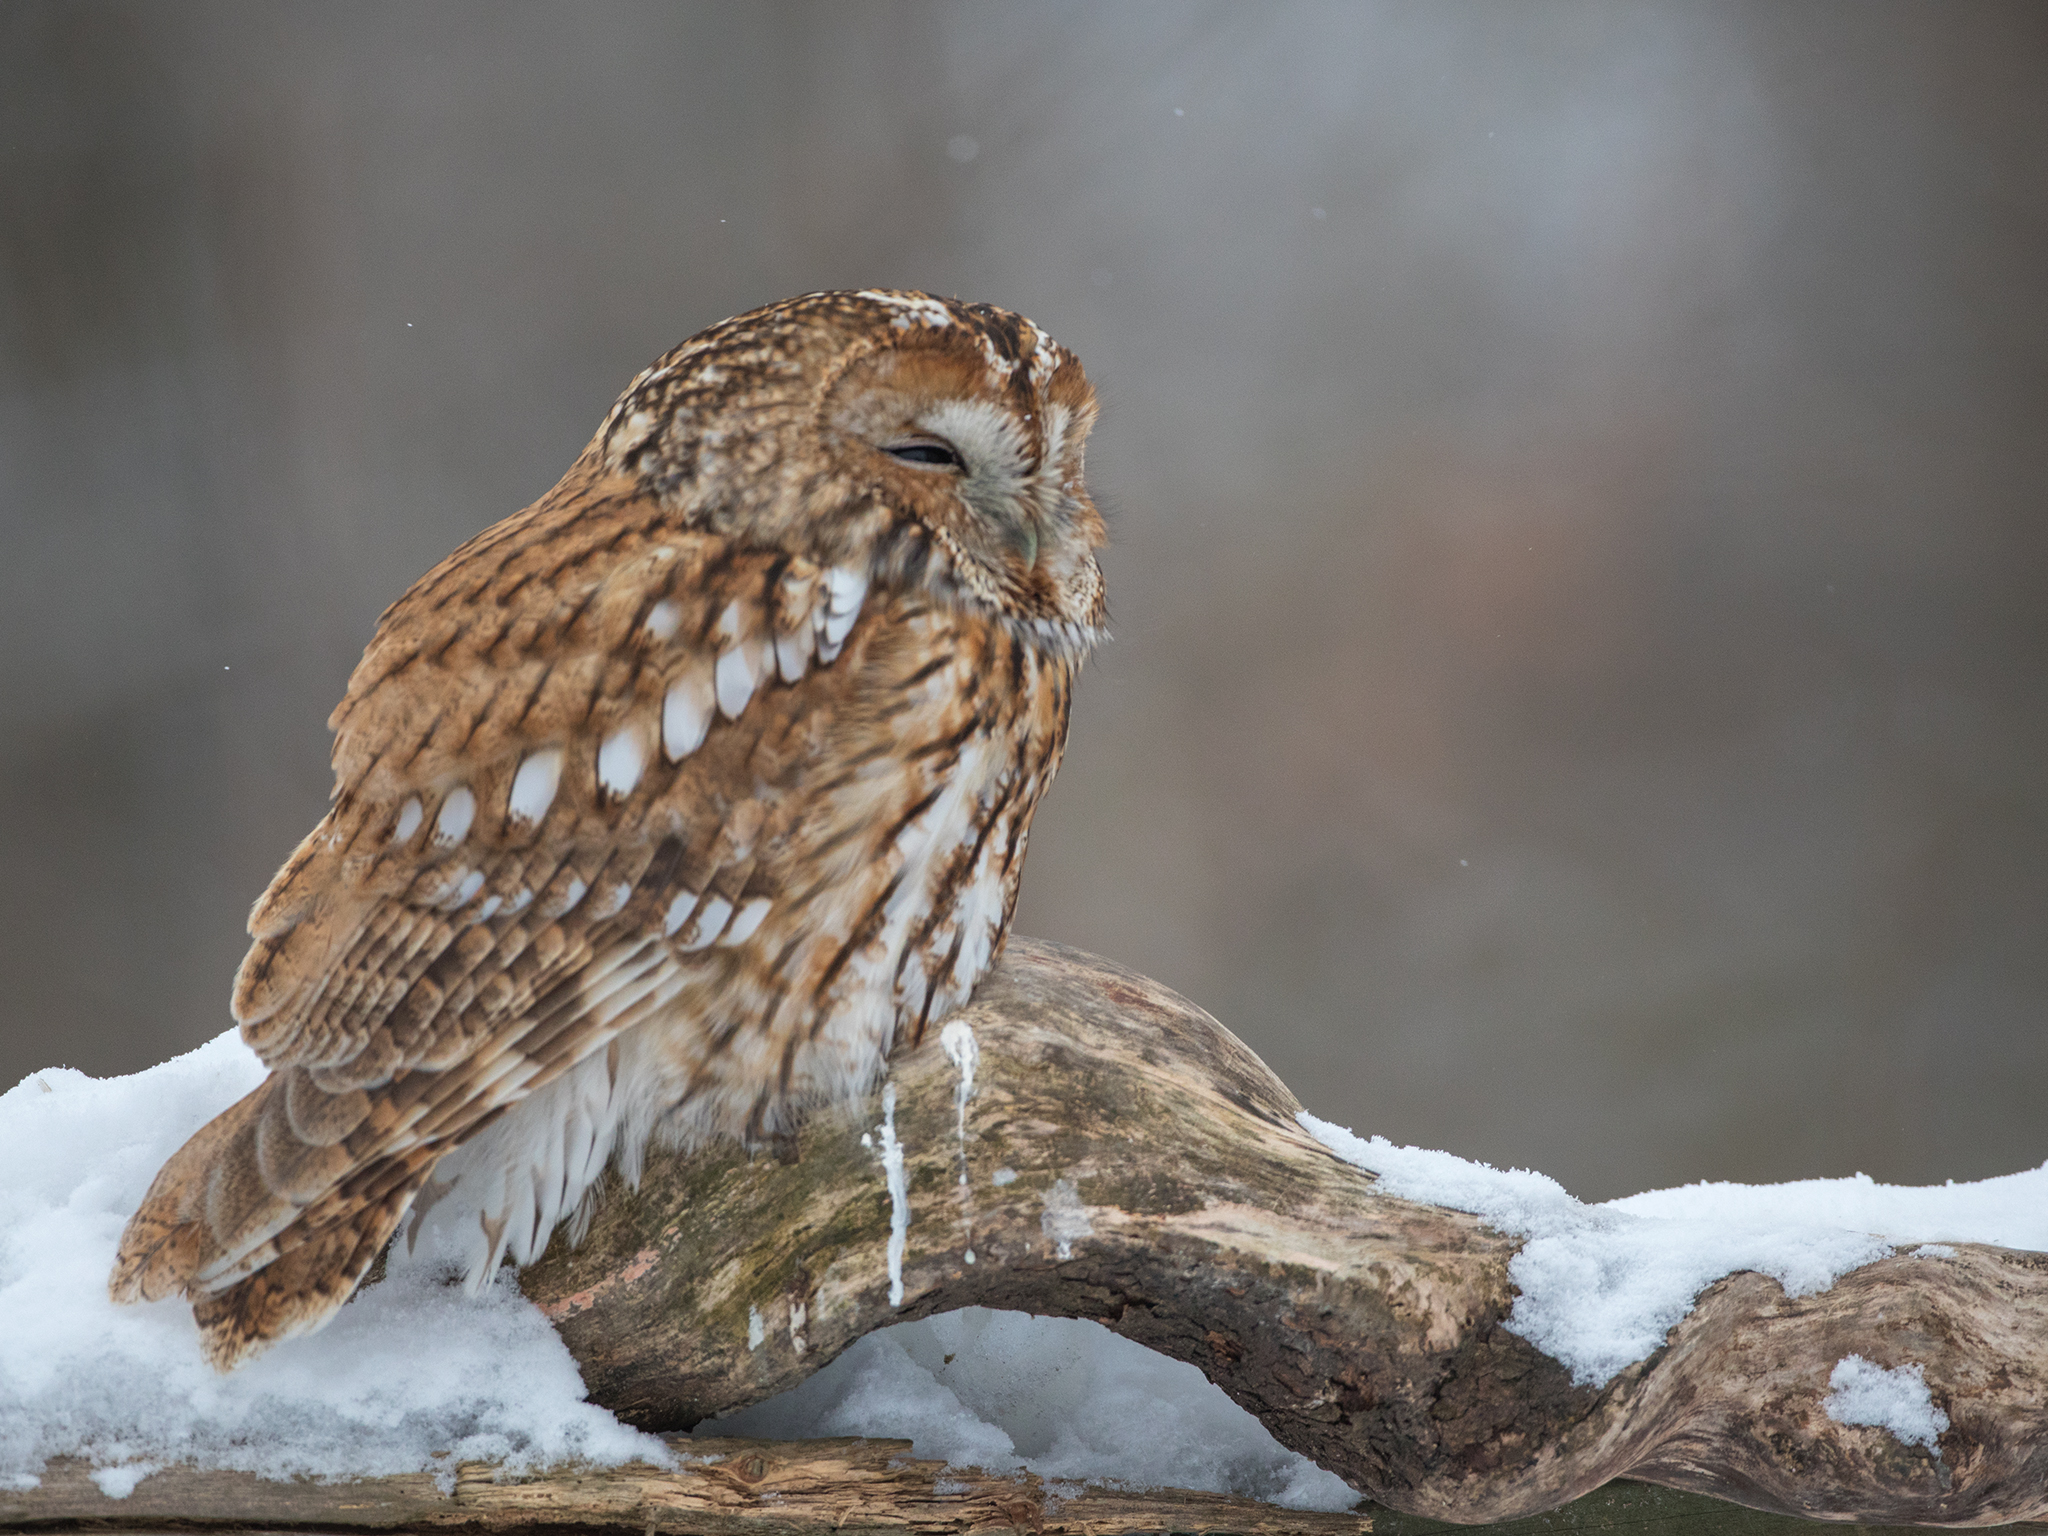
pixel 553 790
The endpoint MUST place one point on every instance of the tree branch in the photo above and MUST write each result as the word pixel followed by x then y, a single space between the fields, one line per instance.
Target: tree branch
pixel 1163 1187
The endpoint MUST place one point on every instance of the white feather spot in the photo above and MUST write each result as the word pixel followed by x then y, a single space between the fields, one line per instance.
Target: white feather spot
pixel 837 626
pixel 686 714
pixel 409 817
pixel 610 899
pixel 735 681
pixel 457 812
pixel 521 900
pixel 533 786
pixel 663 618
pixel 573 895
pixel 619 761
pixel 748 919
pixel 471 884
pixel 489 909
pixel 710 922
pixel 793 654
pixel 845 590
pixel 678 912
pixel 442 888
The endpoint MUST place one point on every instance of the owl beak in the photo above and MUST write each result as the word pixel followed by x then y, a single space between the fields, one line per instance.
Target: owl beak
pixel 1026 538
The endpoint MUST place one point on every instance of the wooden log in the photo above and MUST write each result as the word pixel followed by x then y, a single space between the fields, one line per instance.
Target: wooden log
pixel 724 1488
pixel 1121 1156
pixel 792 1488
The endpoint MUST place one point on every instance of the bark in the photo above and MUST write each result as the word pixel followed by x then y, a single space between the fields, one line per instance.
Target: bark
pixel 1123 1157
pixel 785 1488
pixel 726 1488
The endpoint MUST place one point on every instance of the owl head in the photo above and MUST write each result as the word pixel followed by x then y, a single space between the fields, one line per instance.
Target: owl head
pixel 935 444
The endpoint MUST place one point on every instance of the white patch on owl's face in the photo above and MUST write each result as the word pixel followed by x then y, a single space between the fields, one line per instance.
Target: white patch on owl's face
pixel 1029 526
pixel 996 483
pixel 986 435
pixel 1057 420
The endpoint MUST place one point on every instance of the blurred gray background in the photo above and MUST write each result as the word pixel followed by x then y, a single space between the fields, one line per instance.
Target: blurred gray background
pixel 1577 474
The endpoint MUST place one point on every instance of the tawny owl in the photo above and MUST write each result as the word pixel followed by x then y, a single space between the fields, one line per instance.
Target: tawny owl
pixel 670 804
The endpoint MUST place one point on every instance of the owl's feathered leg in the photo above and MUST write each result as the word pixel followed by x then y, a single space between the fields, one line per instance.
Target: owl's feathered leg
pixel 505 1190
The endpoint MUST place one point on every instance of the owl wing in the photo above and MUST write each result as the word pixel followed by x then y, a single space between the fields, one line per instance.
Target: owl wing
pixel 557 769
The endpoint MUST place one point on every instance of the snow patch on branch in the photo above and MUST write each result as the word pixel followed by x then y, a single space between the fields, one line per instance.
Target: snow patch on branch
pixel 118 1482
pixel 1603 1285
pixel 1862 1392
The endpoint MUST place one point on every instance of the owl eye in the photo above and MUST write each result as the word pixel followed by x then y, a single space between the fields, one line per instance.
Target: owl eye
pixel 927 451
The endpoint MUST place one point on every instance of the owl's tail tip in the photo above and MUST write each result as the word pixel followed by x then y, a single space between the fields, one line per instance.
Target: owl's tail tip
pixel 157 1259
pixel 288 1264
pixel 325 1257
pixel 158 1255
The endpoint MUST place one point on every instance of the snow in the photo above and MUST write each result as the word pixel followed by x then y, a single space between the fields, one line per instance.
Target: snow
pixel 1602 1285
pixel 964 1051
pixel 1897 1400
pixel 411 1376
pixel 415 1376
pixel 899 1192
pixel 1064 1398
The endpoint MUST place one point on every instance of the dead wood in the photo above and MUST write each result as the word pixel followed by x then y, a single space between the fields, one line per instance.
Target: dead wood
pixel 790 1488
pixel 1125 1158
pixel 724 1488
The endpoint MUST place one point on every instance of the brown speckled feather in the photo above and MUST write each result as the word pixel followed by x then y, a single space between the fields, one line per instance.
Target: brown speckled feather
pixel 670 802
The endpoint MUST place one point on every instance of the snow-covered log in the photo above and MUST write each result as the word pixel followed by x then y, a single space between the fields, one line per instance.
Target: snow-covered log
pixel 1081 1142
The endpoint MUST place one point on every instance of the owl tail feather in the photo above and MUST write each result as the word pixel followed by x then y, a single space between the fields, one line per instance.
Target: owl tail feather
pixel 266 1219
pixel 301 1290
pixel 169 1238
